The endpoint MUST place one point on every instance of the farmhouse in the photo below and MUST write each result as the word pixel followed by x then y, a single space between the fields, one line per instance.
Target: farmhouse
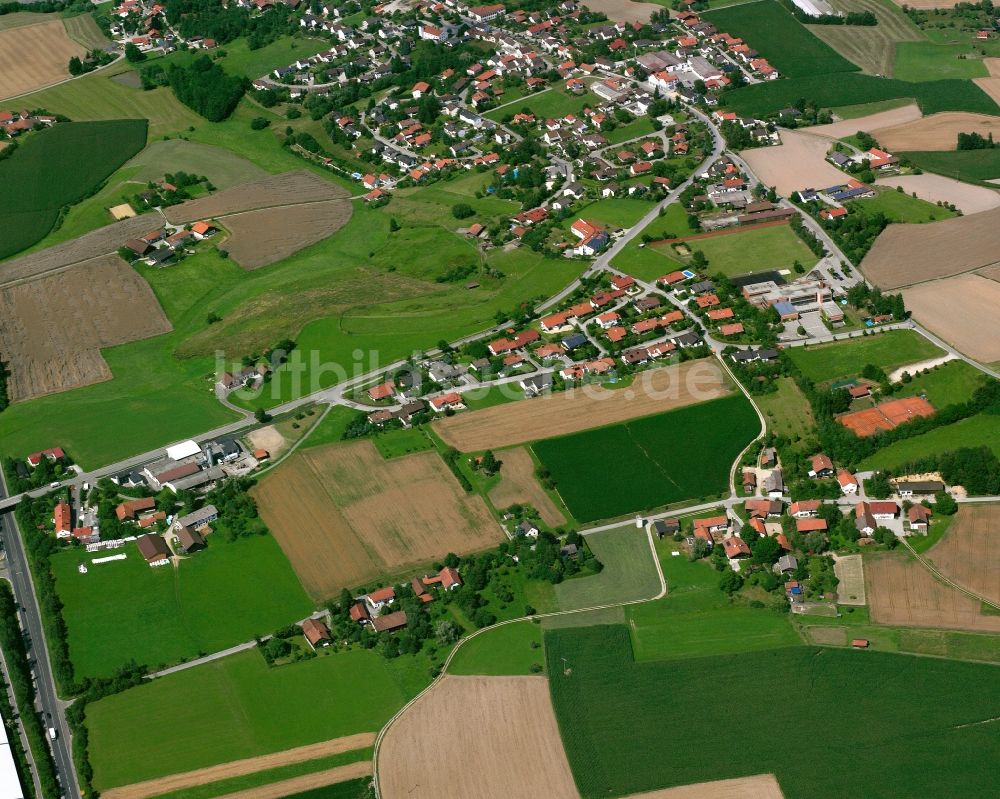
pixel 188 540
pixel 389 622
pixel 450 401
pixel 919 517
pixel 316 633
pixel 63 520
pixel 911 488
pixel 128 511
pixel 154 549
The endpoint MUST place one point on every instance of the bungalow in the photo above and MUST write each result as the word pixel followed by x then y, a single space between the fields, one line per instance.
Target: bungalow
pixel 573 342
pixel 609 319
pixel 502 346
pixel 918 517
pixel 822 466
pixel 450 401
pixel 52 455
pixel 316 633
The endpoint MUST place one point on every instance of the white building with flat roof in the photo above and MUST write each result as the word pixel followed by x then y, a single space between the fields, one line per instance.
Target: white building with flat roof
pixel 10 783
pixel 182 450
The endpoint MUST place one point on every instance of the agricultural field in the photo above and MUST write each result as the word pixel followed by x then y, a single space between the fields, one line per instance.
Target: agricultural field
pixel 799 162
pixel 639 465
pixel 898 206
pixel 220 166
pixel 518 485
pixel 57 167
pixel 862 110
pixel 944 385
pixel 33 56
pixel 845 358
pixel 904 255
pixel 504 720
pixel 972 166
pixel 100 303
pixel 920 60
pixel 239 707
pixel 82 29
pixel 335 512
pixel 968 554
pixel 787 410
pixel 976 431
pixel 183 612
pixel 566 412
pixel 615 715
pixel 789 46
pixel 938 188
pixel 508 650
pixel 903 592
pixel 629 572
pixel 751 250
pixel 871 48
pixel 961 309
pixel 936 132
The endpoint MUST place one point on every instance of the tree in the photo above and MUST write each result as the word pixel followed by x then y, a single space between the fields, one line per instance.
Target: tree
pixel 885 536
pixel 259 123
pixel 877 486
pixel 944 504
pixel 133 54
pixel 75 66
pixel 462 211
pixel 261 415
pixel 766 550
pixel 699 549
pixel 730 582
pixel 446 632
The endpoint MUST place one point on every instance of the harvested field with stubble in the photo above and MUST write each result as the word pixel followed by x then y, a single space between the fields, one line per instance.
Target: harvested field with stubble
pixel 34 56
pixel 799 162
pixel 260 238
pixel 901 591
pixel 905 255
pixel 83 248
pixel 762 786
pixel 969 553
pixel 654 391
pixel 239 768
pixel 871 48
pixel 345 516
pixel 52 329
pixel 967 198
pixel 937 131
pixel 287 189
pixel 518 486
pixel 503 725
pixel 963 311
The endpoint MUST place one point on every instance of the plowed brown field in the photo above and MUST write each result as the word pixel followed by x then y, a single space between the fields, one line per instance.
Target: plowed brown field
pixel 290 188
pixel 970 552
pixel 344 516
pixel 963 311
pixel 799 162
pixel 903 592
pixel 518 485
pixel 260 238
pixel 967 198
pixel 904 255
pixel 500 741
pixel 53 328
pixel 937 132
pixel 652 392
pixel 870 123
pixel 33 56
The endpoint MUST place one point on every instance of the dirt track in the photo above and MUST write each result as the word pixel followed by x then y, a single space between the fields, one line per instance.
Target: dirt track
pixel 571 411
pixel 237 768
pixel 799 162
pixel 482 737
pixel 967 198
pixel 260 238
pixel 761 786
pixel 289 188
pixel 936 132
pixel 345 516
pixel 970 552
pixel 52 328
pixel 33 56
pixel 518 485
pixel 903 592
pixel 963 311
pixel 907 254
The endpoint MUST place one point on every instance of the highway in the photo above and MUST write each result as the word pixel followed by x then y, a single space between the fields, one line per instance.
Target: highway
pixel 38 653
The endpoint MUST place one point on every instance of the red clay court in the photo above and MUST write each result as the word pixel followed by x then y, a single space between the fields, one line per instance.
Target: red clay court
pixel 886 415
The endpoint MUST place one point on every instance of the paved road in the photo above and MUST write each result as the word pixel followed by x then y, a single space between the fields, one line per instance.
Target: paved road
pixel 31 623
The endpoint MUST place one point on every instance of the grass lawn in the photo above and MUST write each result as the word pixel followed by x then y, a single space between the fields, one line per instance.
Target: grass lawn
pixel 638 467
pixel 640 126
pixel 126 610
pixel 615 715
pixel 629 571
pixel 332 428
pixel 771 30
pixel 239 707
pixel 939 526
pixel 865 109
pixel 750 250
pixel 845 358
pixel 898 206
pixel 253 64
pixel 613 212
pixel 647 263
pixel 787 410
pixel 944 385
pixel 555 102
pixel 976 431
pixel 508 650
pixel 478 398
pixel 972 166
pixel 393 443
pixel 921 61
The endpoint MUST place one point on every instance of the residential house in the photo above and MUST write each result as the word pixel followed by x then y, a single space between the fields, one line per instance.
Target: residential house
pixel 822 466
pixel 919 517
pixel 316 633
pixel 848 482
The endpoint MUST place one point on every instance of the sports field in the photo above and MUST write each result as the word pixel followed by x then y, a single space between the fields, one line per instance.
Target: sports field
pixel 57 167
pixel 650 462
pixel 750 250
pixel 615 716
pixel 845 358
pixel 338 512
pixel 126 610
pixel 238 707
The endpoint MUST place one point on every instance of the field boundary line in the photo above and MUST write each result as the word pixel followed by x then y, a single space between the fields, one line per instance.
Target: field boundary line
pixel 937 574
pixel 529 619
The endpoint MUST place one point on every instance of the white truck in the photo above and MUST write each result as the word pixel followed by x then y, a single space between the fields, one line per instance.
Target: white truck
pixel 53 734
